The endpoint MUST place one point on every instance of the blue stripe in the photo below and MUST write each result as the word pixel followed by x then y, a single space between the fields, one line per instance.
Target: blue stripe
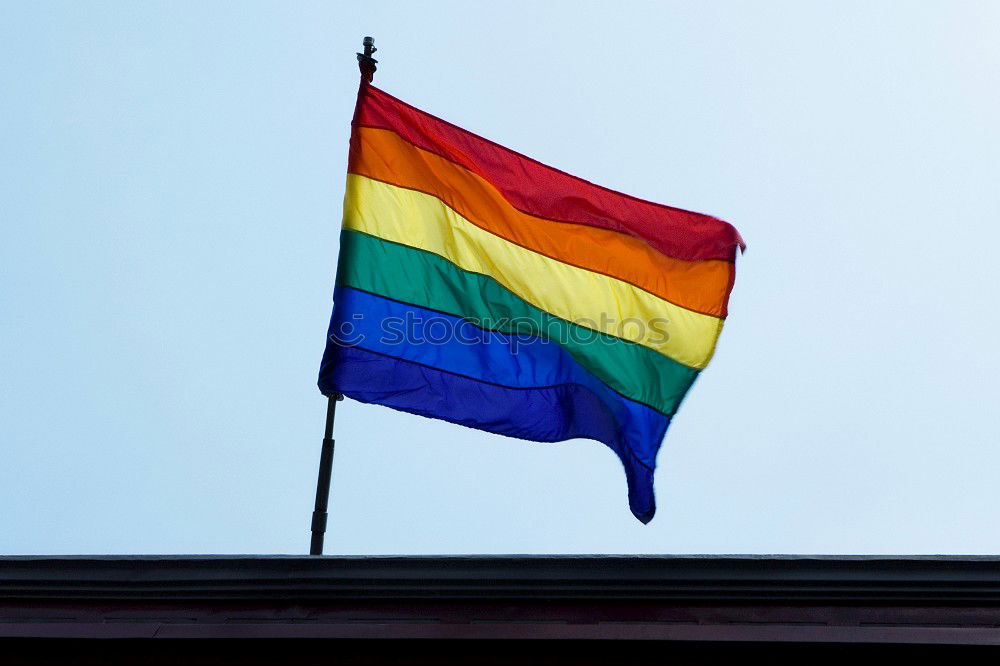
pixel 440 366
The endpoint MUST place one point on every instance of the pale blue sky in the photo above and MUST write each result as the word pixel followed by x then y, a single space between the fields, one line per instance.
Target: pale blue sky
pixel 170 185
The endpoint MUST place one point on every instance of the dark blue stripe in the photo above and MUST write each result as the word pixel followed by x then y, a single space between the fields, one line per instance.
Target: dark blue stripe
pixel 543 414
pixel 427 363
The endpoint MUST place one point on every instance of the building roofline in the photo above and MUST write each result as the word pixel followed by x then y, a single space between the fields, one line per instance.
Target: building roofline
pixel 769 579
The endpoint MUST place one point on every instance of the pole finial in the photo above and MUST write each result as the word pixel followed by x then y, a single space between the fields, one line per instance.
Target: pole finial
pixel 366 63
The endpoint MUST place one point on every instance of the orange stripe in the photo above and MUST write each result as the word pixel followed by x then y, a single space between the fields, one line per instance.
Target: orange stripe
pixel 701 286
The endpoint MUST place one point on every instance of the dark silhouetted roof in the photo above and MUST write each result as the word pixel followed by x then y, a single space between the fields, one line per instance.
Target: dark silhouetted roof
pixel 706 600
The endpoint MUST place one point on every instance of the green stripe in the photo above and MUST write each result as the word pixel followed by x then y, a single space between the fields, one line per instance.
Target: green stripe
pixel 426 280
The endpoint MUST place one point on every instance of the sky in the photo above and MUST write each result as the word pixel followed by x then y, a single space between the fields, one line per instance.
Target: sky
pixel 171 180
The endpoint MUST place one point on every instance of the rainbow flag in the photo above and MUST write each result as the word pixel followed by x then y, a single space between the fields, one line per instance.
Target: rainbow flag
pixel 481 287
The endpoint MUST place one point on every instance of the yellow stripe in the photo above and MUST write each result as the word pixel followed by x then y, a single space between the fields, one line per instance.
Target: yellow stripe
pixel 589 299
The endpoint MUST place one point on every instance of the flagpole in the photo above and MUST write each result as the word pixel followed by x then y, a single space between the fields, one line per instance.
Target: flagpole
pixel 366 63
pixel 323 482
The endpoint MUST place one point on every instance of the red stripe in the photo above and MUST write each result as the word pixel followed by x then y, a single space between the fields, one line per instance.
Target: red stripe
pixel 540 190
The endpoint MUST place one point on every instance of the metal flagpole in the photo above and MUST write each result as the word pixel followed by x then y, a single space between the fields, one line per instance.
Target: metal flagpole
pixel 366 63
pixel 323 483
